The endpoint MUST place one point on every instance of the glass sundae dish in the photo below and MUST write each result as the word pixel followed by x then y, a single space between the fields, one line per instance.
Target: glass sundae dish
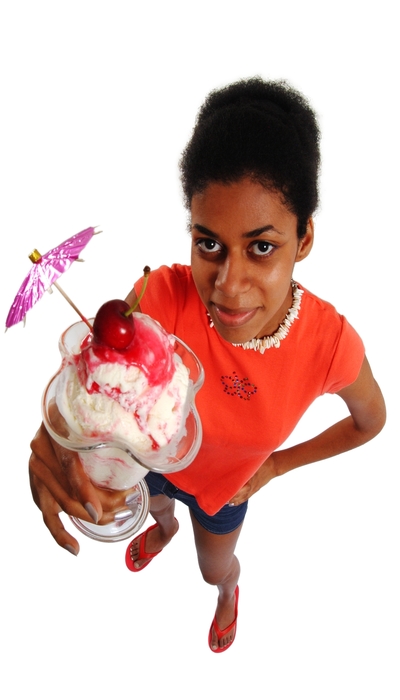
pixel 125 412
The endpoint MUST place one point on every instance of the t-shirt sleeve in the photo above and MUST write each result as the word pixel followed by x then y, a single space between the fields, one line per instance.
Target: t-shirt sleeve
pixel 347 360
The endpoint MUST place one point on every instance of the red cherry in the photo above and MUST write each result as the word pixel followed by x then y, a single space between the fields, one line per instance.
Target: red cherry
pixel 111 327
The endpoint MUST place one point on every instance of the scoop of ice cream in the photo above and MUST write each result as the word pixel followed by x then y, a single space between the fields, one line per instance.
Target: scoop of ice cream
pixel 137 395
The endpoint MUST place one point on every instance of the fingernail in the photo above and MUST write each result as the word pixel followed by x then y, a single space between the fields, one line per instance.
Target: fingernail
pixel 91 511
pixel 134 497
pixel 122 515
pixel 71 549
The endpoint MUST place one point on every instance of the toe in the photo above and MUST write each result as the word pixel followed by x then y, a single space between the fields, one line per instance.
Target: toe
pixel 139 563
pixel 214 639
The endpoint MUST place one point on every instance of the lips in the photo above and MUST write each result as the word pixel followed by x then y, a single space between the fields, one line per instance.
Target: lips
pixel 233 318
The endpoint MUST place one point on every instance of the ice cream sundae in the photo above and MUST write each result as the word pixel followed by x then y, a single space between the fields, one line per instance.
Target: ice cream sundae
pixel 136 395
pixel 124 399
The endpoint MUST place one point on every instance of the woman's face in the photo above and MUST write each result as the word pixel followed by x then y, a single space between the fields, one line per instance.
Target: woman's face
pixel 244 247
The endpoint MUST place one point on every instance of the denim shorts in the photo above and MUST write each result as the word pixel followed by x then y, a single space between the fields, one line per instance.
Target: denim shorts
pixel 226 520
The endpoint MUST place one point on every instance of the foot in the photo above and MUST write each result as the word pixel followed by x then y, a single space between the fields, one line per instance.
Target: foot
pixel 155 540
pixel 223 627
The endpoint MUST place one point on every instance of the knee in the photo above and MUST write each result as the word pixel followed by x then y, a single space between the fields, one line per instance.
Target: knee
pixel 212 577
pixel 161 505
pixel 218 574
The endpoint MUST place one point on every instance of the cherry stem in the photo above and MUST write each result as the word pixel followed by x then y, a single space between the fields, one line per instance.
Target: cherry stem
pixel 146 272
pixel 55 284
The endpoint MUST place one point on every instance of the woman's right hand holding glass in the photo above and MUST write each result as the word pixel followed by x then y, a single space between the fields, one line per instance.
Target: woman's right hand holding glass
pixel 59 483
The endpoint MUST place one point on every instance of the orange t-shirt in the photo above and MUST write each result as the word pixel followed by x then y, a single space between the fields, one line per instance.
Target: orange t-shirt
pixel 249 403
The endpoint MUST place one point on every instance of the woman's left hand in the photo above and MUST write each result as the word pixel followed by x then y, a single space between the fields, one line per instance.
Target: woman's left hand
pixel 367 417
pixel 265 473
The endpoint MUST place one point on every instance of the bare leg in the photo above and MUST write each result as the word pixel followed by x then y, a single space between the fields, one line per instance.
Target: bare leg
pixel 162 509
pixel 219 567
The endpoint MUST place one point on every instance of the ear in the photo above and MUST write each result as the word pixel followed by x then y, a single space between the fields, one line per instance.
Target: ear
pixel 306 243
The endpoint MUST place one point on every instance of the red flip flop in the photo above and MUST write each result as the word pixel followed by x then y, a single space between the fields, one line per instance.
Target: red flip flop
pixel 142 552
pixel 223 633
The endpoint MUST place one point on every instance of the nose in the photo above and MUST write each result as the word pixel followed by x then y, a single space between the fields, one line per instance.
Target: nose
pixel 233 277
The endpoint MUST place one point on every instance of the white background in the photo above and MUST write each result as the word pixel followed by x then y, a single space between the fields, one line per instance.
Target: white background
pixel 97 102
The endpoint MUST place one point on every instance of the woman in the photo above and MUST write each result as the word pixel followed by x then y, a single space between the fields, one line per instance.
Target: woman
pixel 269 347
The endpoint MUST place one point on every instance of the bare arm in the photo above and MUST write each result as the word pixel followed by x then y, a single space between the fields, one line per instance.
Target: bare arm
pixel 367 418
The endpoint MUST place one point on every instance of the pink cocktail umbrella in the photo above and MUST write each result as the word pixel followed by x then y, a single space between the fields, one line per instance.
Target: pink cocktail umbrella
pixel 45 272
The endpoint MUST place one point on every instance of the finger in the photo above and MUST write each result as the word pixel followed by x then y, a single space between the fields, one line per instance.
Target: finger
pixel 99 504
pixel 62 472
pixel 114 501
pixel 50 512
pixel 41 476
pixel 82 487
pixel 241 496
pixel 46 462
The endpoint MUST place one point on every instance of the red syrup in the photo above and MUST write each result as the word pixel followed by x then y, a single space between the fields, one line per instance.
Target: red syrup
pixel 150 350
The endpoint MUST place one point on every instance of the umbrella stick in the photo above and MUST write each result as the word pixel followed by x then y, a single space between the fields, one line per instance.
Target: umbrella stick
pixel 72 304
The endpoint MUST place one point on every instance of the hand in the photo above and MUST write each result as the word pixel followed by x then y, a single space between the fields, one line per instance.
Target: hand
pixel 264 474
pixel 59 483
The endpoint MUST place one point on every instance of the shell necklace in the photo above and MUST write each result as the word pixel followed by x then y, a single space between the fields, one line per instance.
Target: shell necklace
pixel 274 340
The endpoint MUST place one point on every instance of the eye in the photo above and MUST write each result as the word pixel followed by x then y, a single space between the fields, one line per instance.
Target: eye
pixel 262 248
pixel 208 245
